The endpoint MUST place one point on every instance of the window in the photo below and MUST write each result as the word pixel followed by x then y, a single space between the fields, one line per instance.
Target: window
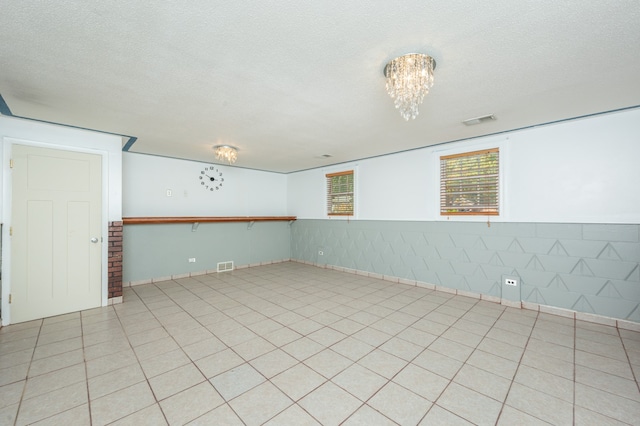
pixel 340 193
pixel 469 183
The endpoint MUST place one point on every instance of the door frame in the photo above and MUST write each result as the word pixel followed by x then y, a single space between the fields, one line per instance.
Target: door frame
pixel 7 183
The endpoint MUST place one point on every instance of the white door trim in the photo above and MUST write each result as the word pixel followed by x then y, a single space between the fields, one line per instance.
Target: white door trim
pixel 7 184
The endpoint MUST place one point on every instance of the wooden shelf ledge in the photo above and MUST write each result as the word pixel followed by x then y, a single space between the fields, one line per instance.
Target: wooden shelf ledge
pixel 202 219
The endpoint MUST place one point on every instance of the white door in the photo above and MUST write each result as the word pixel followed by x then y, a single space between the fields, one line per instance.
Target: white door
pixel 56 249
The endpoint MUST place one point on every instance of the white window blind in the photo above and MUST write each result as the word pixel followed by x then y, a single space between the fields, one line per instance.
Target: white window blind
pixel 340 193
pixel 469 183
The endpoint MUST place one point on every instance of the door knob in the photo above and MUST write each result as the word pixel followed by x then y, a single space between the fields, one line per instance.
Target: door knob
pixel 94 240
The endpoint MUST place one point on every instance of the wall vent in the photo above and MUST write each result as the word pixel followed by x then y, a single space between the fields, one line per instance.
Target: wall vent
pixel 225 266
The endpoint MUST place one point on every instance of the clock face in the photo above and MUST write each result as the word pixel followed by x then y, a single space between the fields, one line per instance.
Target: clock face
pixel 211 178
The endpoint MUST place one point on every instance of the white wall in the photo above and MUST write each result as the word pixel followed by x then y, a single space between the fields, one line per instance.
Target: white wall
pixel 581 171
pixel 244 192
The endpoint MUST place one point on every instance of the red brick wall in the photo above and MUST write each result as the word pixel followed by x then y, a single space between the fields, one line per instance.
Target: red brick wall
pixel 115 259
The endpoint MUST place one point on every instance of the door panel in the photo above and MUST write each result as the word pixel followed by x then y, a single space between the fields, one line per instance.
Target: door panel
pixel 56 211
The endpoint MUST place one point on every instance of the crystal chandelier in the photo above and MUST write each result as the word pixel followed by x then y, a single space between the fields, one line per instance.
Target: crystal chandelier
pixel 409 79
pixel 226 153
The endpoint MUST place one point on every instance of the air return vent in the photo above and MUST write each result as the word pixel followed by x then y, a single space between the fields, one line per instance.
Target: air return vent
pixel 225 266
pixel 478 120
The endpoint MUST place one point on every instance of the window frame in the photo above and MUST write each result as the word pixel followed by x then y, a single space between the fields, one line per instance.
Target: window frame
pixel 328 194
pixel 494 209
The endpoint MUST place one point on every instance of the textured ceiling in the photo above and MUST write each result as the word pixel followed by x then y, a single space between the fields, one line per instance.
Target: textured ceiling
pixel 289 81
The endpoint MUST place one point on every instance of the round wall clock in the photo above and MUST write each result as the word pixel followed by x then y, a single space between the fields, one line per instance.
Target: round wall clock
pixel 211 178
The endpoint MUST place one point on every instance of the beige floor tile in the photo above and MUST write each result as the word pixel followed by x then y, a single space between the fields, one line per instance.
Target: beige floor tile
pixel 551 349
pixel 237 381
pixel 99 366
pixel 303 348
pixel 604 364
pixel 11 394
pixel 401 348
pixel 422 382
pixel 463 337
pixel 191 403
pixel 52 403
pixel 510 416
pixel 605 403
pixel 13 374
pixel 222 415
pixel 106 348
pixel 78 416
pixel 540 405
pixel 57 379
pixel 273 363
pixel 282 336
pixel 328 363
pixel 253 348
pixel 399 404
pixel 352 348
pixel 147 336
pixel 257 310
pixel 8 414
pixel 260 404
pixel 360 382
pixel 470 405
pixel 329 404
pixel 383 363
pixel 155 348
pixel 204 348
pixel 237 336
pixel 418 337
pixel 366 416
pixel 437 363
pixel 150 416
pixel 218 363
pixel 585 417
pixel 439 416
pixel 57 348
pixel 608 382
pixel 482 381
pixel 163 363
pixel 174 381
pixel 493 364
pixel 298 381
pixel 545 382
pixel 15 358
pixel 501 349
pixel 117 405
pixel 451 349
pixel 294 415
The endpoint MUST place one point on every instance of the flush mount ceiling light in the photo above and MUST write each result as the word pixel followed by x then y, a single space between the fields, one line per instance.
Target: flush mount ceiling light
pixel 409 79
pixel 226 153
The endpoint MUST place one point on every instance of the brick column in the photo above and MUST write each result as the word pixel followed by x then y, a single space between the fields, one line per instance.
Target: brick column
pixel 115 262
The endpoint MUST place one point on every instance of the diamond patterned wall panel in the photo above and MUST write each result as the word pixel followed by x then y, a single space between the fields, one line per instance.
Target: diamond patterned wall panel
pixel 584 267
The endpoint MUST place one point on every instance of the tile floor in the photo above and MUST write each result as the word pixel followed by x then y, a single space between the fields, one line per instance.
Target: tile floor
pixel 292 344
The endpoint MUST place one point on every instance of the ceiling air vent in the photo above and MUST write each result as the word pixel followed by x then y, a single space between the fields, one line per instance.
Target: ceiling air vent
pixel 478 120
pixel 225 266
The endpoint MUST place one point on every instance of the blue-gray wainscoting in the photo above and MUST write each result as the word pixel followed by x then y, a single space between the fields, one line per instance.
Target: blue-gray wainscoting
pixel 155 252
pixel 590 268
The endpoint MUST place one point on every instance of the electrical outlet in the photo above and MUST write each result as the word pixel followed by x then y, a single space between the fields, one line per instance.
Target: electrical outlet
pixel 320 253
pixel 169 193
pixel 511 281
pixel 192 260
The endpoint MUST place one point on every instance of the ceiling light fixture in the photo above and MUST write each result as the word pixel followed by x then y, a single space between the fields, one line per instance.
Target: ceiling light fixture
pixel 409 78
pixel 226 153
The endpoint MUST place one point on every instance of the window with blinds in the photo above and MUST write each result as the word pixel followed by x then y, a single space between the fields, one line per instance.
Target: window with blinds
pixel 469 183
pixel 340 193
